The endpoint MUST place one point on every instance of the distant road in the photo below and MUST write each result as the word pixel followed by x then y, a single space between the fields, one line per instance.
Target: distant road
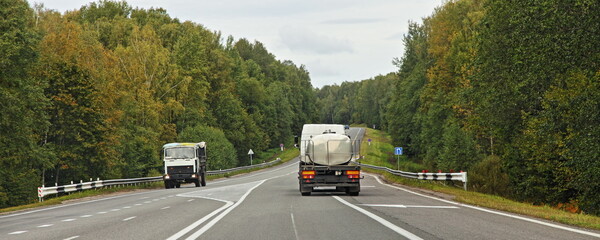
pixel 268 205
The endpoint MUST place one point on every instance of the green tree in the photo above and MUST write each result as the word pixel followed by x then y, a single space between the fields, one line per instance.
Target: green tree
pixel 22 119
pixel 221 153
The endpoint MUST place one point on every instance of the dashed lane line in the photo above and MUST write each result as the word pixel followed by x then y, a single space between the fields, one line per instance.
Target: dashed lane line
pixel 129 218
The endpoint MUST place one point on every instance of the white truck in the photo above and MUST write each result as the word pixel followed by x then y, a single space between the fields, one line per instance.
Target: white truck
pixel 326 152
pixel 184 163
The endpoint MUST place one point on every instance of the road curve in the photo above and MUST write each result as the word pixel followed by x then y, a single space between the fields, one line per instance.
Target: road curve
pixel 267 205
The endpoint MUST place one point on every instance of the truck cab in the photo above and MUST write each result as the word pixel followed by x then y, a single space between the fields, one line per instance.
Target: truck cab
pixel 184 163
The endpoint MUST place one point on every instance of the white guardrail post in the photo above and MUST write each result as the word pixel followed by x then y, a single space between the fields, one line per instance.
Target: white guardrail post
pixel 45 191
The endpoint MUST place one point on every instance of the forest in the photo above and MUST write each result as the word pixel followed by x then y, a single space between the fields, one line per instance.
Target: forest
pixel 96 92
pixel 506 90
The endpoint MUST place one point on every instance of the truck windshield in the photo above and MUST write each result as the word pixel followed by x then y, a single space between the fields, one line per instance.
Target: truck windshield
pixel 180 152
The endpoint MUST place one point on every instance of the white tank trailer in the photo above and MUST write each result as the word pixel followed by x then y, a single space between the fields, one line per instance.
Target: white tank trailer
pixel 325 160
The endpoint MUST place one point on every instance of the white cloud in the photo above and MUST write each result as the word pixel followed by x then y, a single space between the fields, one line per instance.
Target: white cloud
pixel 306 41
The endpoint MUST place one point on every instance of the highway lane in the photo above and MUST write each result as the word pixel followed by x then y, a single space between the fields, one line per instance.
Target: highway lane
pixel 268 205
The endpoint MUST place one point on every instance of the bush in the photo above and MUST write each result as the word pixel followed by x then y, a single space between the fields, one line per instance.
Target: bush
pixel 488 177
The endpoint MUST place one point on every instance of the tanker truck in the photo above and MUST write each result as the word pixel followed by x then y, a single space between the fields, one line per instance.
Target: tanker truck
pixel 184 163
pixel 325 160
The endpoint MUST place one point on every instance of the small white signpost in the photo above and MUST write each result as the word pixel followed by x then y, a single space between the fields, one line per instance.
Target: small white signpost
pixel 250 153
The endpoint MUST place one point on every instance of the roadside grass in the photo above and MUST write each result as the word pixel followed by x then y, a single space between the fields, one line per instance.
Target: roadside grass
pixel 378 154
pixel 287 155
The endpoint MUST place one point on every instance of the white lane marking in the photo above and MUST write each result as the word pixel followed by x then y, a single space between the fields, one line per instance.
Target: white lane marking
pixel 71 238
pixel 493 212
pixel 383 222
pixel 101 212
pixel 116 209
pixel 129 218
pixel 70 205
pixel 407 206
pixel 167 207
pixel 220 216
pixel 367 186
pixel 144 197
pixel 126 207
pixel 17 232
pixel 147 201
pixel 202 220
pixel 86 216
pixel 138 204
pixel 69 220
pixel 156 199
pixel 190 200
pixel 294 225
pixel 45 225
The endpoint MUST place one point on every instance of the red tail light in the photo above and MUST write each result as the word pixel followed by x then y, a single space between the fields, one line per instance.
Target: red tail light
pixel 308 174
pixel 353 173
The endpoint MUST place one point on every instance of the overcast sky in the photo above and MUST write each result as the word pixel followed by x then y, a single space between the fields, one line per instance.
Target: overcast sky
pixel 337 40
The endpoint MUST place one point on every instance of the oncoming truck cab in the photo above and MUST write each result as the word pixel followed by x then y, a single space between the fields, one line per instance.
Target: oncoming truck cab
pixel 184 163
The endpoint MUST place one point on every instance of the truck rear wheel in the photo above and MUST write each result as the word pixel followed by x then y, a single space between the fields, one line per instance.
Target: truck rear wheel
pixel 177 185
pixel 197 183
pixel 305 191
pixel 168 184
pixel 353 191
pixel 203 179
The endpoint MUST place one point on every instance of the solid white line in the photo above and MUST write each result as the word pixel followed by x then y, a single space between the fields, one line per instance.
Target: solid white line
pixel 220 216
pixel 493 212
pixel 405 206
pixel 71 238
pixel 17 232
pixel 129 218
pixel 45 225
pixel 202 220
pixel 383 222
pixel 294 225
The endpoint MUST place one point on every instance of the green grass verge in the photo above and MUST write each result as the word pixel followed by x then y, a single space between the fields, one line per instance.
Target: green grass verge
pixel 270 155
pixel 378 154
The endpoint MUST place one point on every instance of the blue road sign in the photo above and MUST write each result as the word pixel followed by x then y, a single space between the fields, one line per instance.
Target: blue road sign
pixel 398 151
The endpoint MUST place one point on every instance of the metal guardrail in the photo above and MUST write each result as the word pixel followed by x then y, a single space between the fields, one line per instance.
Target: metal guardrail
pixel 44 191
pixel 461 176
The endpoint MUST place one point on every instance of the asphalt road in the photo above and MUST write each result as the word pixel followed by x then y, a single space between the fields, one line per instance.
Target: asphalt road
pixel 267 205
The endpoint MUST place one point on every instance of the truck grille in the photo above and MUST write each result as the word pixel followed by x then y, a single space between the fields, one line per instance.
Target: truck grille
pixel 180 169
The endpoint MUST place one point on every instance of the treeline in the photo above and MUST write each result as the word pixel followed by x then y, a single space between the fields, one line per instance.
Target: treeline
pixel 96 92
pixel 508 90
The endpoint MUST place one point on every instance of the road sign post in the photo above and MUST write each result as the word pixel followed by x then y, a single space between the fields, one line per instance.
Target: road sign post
pixel 250 153
pixel 398 152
